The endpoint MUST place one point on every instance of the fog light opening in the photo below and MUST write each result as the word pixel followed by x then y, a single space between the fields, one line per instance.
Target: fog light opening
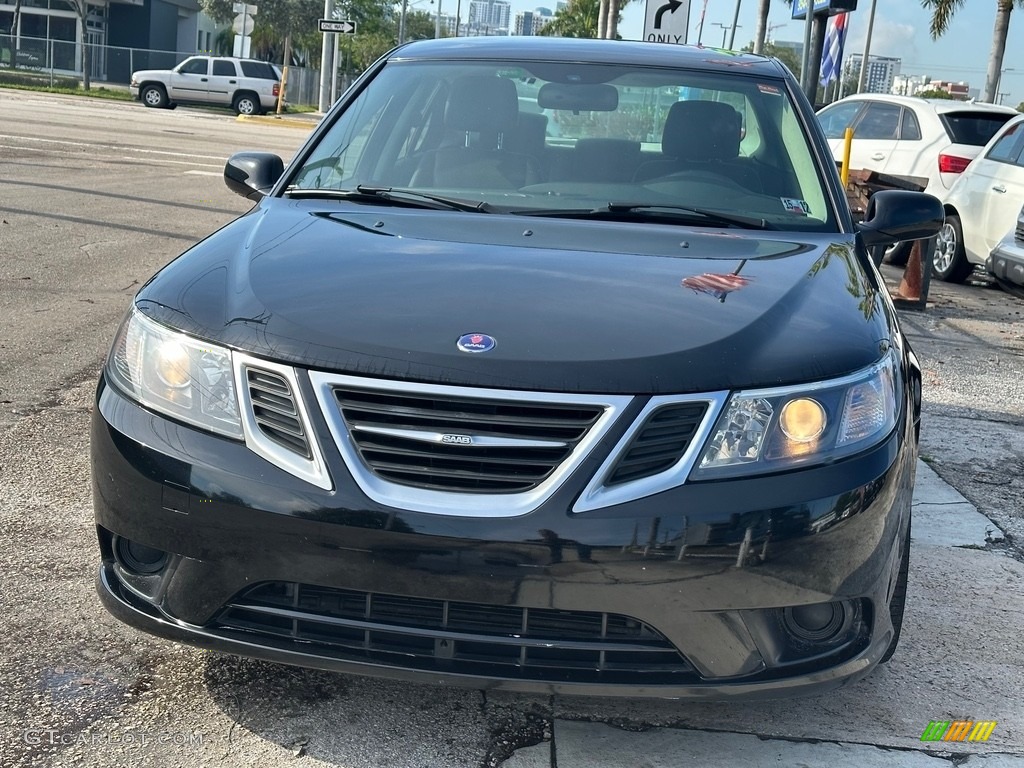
pixel 138 558
pixel 817 622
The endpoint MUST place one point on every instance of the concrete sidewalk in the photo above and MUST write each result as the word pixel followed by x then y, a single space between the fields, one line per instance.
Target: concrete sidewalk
pixel 951 615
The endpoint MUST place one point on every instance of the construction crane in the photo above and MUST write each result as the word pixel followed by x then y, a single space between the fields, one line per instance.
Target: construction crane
pixel 768 37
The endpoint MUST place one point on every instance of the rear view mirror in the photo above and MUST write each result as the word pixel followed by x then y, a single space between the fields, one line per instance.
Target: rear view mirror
pixel 578 97
pixel 893 215
pixel 252 174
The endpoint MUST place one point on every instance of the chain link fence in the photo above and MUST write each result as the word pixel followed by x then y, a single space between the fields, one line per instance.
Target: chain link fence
pixel 28 60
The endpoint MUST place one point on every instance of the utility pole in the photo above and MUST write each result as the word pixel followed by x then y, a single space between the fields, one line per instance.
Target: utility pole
pixel 326 60
pixel 862 79
pixel 735 26
pixel 437 22
pixel 401 22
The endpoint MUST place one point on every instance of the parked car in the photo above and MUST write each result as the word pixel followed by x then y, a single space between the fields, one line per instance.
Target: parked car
pixel 452 403
pixel 247 86
pixel 1006 262
pixel 931 139
pixel 982 205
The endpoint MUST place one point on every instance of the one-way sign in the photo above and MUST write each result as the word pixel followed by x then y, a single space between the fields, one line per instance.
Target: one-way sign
pixel 667 21
pixel 330 25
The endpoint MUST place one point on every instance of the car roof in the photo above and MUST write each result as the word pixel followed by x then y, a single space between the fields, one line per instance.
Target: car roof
pixel 566 49
pixel 939 106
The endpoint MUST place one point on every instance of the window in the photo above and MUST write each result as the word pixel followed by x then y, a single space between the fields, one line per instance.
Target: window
pixel 224 67
pixel 1008 147
pixel 974 128
pixel 196 66
pixel 880 121
pixel 258 69
pixel 911 129
pixel 835 120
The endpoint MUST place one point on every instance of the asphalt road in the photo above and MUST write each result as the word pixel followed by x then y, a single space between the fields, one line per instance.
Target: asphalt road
pixel 94 197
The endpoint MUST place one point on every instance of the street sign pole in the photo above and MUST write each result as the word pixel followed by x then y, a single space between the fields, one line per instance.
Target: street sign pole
pixel 334 69
pixel 326 59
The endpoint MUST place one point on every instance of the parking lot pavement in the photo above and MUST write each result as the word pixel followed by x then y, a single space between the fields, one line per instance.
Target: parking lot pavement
pixel 94 197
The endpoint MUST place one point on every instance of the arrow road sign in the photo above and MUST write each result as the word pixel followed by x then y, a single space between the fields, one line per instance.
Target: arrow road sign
pixel 671 6
pixel 666 21
pixel 329 25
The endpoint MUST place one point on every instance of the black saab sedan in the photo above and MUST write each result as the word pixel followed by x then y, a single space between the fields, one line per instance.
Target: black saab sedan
pixel 551 365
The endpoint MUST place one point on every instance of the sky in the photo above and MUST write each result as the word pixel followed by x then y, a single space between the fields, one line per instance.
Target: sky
pixel 901 30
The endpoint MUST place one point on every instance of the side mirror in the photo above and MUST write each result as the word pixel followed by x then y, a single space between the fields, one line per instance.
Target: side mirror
pixel 894 215
pixel 252 174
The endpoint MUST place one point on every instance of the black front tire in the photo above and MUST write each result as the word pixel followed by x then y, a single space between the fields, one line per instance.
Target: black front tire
pixel 898 604
pixel 949 261
pixel 154 96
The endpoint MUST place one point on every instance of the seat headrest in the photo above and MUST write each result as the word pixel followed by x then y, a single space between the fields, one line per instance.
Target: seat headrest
pixel 482 103
pixel 702 130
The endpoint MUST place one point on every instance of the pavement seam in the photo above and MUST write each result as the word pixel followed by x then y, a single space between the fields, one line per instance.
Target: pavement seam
pixel 628 727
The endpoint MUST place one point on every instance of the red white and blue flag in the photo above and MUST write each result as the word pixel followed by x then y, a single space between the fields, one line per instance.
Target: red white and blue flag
pixel 832 53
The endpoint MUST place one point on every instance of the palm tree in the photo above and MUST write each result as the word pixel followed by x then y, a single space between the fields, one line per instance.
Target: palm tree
pixel 942 15
pixel 583 18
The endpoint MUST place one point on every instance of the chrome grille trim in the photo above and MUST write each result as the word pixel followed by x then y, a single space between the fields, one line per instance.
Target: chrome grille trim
pixel 438 437
pixel 310 467
pixel 459 504
pixel 597 494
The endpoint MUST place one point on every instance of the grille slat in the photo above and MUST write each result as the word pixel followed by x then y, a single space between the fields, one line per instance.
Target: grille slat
pixel 456 467
pixel 469 638
pixel 659 443
pixel 275 412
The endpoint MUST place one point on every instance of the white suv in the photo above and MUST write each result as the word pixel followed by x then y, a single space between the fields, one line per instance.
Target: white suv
pixel 932 139
pixel 247 86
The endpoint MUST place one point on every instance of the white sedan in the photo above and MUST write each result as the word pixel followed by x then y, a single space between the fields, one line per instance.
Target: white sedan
pixel 982 204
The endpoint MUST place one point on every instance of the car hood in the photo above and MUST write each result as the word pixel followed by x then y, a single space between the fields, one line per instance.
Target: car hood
pixel 144 74
pixel 574 306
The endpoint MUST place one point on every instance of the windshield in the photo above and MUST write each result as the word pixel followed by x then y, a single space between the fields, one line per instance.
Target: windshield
pixel 557 137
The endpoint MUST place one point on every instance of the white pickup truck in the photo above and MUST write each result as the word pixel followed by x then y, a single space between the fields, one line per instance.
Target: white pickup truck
pixel 249 87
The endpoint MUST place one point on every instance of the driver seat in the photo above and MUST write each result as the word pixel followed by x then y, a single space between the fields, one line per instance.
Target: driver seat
pixel 479 112
pixel 701 136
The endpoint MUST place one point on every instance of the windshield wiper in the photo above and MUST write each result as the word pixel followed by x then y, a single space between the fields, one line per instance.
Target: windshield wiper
pixel 619 211
pixel 410 197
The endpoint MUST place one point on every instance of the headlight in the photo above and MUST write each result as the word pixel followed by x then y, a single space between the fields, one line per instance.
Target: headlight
pixel 771 430
pixel 175 374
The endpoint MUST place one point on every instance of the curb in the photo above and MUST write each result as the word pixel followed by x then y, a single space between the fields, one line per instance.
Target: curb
pixel 303 123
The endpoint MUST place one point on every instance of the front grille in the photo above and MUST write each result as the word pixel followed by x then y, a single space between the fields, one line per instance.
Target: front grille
pixel 1018 233
pixel 274 409
pixel 659 443
pixel 398 436
pixel 461 638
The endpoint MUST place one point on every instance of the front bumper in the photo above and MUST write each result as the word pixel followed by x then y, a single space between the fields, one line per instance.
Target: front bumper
pixel 702 568
pixel 1007 260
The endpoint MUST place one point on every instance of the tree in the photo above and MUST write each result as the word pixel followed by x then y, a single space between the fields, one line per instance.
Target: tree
pixel 934 93
pixel 582 18
pixel 275 22
pixel 761 29
pixel 942 15
pixel 1020 107
pixel 786 55
pixel 578 19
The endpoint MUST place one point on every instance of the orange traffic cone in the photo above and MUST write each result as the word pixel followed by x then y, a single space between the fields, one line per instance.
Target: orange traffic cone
pixel 910 285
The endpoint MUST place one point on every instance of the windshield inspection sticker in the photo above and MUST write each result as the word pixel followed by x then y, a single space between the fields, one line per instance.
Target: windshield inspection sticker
pixel 793 205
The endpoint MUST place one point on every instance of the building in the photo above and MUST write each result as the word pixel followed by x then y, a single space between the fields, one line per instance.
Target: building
pixel 532 22
pixel 448 21
pixel 489 17
pixel 882 72
pixel 960 91
pixel 123 35
pixel 909 85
